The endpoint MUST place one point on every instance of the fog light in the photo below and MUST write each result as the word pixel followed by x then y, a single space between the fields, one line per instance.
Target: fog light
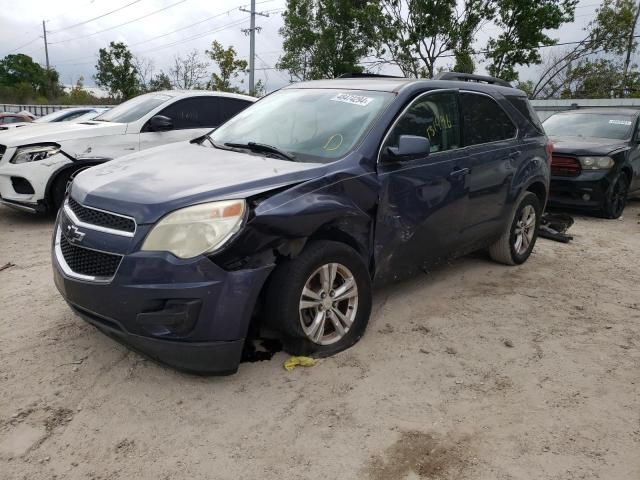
pixel 586 197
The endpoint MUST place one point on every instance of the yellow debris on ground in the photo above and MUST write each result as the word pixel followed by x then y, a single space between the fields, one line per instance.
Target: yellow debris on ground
pixel 293 362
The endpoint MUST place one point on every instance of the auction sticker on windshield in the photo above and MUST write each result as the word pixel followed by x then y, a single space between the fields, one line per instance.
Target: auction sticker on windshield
pixel 620 122
pixel 352 99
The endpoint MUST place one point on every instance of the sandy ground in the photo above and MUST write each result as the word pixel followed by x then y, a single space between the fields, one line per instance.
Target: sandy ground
pixel 475 371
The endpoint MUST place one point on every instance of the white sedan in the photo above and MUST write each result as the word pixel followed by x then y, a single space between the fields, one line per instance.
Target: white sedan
pixel 73 115
pixel 37 162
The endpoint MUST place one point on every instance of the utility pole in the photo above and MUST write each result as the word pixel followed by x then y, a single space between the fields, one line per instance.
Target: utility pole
pixel 252 42
pixel 46 47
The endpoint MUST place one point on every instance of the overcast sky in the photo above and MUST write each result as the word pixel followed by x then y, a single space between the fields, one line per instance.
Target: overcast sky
pixel 178 27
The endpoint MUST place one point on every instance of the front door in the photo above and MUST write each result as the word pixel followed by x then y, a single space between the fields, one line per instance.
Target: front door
pixel 192 118
pixel 422 200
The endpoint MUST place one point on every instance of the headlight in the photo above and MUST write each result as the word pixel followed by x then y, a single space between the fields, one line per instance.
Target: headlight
pixel 192 231
pixel 596 163
pixel 34 153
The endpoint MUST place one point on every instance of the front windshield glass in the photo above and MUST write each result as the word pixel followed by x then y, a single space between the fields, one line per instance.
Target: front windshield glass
pixel 133 109
pixel 600 125
pixel 313 125
pixel 52 116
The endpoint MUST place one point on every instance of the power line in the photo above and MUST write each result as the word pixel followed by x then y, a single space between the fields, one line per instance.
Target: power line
pixel 95 18
pixel 153 49
pixel 25 45
pixel 119 25
pixel 185 27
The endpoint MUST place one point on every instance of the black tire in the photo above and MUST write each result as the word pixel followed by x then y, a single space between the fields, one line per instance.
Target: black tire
pixel 284 294
pixel 505 250
pixel 58 189
pixel 616 197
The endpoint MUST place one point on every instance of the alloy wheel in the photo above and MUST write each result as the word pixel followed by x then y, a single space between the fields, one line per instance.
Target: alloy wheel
pixel 619 197
pixel 524 230
pixel 328 304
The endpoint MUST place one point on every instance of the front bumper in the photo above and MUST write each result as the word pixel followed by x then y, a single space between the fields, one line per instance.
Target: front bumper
pixel 189 314
pixel 588 190
pixel 36 174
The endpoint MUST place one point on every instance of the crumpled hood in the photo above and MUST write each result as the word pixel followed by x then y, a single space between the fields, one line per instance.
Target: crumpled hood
pixel 587 146
pixel 58 132
pixel 149 184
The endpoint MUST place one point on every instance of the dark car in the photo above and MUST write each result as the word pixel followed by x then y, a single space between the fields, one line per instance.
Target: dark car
pixel 7 118
pixel 280 221
pixel 596 159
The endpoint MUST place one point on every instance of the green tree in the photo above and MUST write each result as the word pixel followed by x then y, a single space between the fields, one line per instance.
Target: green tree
pixel 417 34
pixel 610 33
pixel 229 67
pixel 116 71
pixel 20 73
pixel 159 82
pixel 327 38
pixel 522 24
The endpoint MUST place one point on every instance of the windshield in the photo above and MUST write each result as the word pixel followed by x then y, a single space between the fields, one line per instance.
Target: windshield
pixel 52 117
pixel 600 125
pixel 313 125
pixel 133 109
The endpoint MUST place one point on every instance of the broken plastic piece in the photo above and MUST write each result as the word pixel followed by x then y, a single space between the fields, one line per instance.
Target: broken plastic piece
pixel 293 362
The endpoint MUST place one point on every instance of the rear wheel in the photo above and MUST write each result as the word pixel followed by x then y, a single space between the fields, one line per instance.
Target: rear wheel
pixel 321 300
pixel 616 198
pixel 517 241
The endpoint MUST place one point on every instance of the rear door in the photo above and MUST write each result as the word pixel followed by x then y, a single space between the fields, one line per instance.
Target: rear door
pixel 422 200
pixel 494 151
pixel 192 117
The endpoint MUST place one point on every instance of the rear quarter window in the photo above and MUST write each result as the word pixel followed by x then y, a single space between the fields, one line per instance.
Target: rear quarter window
pixel 523 106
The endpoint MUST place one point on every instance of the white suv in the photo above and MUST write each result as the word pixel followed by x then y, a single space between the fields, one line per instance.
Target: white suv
pixel 36 163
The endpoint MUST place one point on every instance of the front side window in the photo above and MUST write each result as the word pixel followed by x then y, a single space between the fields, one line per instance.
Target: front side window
pixel 134 109
pixel 202 112
pixel 311 124
pixel 484 120
pixel 433 116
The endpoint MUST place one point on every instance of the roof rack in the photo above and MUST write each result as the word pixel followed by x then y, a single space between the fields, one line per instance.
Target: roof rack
pixel 366 75
pixel 469 77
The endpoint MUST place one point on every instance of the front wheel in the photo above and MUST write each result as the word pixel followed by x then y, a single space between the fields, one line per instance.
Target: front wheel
pixel 321 300
pixel 517 241
pixel 616 199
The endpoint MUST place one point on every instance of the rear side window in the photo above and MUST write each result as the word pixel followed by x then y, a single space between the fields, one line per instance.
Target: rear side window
pixel 524 107
pixel 484 121
pixel 434 116
pixel 202 112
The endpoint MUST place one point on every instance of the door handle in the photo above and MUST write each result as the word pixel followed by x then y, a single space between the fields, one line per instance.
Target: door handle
pixel 459 172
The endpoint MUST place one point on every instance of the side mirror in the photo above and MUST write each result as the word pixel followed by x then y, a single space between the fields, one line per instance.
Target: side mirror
pixel 160 123
pixel 410 146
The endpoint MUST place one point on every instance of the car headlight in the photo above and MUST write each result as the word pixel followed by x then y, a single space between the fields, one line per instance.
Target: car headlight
pixel 596 163
pixel 192 231
pixel 33 153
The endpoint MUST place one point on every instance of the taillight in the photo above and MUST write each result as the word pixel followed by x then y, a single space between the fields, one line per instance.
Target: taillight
pixel 549 151
pixel 565 166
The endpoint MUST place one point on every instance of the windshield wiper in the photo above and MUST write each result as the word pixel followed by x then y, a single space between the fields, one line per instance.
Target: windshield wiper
pixel 262 147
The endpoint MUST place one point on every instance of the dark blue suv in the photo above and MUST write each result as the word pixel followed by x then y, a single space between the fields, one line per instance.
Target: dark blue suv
pixel 279 222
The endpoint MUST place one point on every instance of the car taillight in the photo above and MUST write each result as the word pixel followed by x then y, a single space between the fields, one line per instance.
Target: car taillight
pixel 549 151
pixel 565 166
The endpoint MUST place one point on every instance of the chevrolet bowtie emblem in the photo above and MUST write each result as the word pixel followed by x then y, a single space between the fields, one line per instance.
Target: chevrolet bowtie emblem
pixel 74 235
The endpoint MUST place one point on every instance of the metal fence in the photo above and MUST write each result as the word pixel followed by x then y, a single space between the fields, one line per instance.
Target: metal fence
pixel 546 108
pixel 40 110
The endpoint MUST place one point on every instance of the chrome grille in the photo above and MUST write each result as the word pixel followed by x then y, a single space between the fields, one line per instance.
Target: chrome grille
pixel 99 218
